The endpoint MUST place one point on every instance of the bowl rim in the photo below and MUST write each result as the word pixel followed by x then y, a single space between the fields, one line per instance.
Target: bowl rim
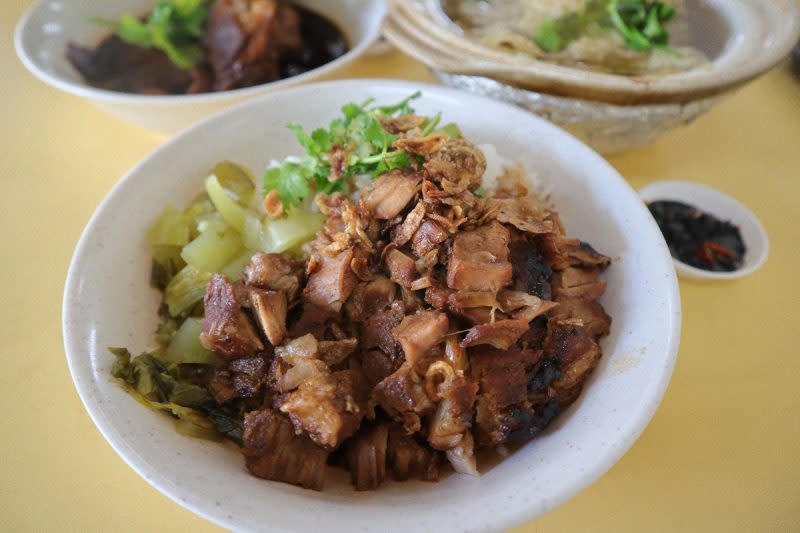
pixel 683 191
pixel 568 81
pixel 85 90
pixel 640 416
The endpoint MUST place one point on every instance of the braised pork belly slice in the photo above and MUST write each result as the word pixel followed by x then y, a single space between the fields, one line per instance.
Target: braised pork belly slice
pixel 370 297
pixel 420 332
pixel 402 395
pixel 331 283
pixel 274 272
pixel 239 378
pixel 270 310
pixel 479 261
pixel 312 319
pixel 523 306
pixel 518 213
pixel 367 456
pixel 403 233
pixel 575 277
pixel 377 366
pixel 334 353
pixel 246 38
pixel 377 331
pixel 501 408
pixel 408 458
pixel 589 291
pixel 572 344
pixel 455 395
pixel 273 451
pixel 582 254
pixel 427 237
pixel 532 272
pixel 502 334
pixel 328 407
pixel 589 312
pixel 227 330
pixel 390 194
pixel 401 267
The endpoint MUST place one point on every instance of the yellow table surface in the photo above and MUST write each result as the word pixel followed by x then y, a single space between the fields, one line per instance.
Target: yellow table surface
pixel 721 453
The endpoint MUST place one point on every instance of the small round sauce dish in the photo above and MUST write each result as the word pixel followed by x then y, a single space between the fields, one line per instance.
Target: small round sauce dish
pixel 722 207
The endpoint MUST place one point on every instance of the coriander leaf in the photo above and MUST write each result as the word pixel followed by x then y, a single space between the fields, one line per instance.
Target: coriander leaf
pixel 401 107
pixel 176 27
pixel 431 124
pixel 291 182
pixel 639 22
pixel 359 143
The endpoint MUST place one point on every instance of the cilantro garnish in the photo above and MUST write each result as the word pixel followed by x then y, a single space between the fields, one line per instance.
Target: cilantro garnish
pixel 176 27
pixel 639 22
pixel 356 142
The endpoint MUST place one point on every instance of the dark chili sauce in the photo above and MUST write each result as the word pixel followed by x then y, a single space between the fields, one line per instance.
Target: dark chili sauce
pixel 697 238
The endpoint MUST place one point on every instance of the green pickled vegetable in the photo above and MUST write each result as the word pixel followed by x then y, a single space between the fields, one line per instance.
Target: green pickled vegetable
pixel 145 378
pixel 172 228
pixel 167 262
pixel 230 210
pixel 233 270
pixel 166 331
pixel 238 180
pixel 212 249
pixel 185 346
pixel 255 235
pixel 298 227
pixel 185 290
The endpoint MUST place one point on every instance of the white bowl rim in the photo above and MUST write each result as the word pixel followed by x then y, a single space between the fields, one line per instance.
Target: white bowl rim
pixel 684 191
pixel 103 95
pixel 645 410
pixel 690 84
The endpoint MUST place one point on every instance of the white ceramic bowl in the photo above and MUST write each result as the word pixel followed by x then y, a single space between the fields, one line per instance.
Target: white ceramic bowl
pixel 42 35
pixel 742 39
pixel 723 207
pixel 108 302
pixel 608 128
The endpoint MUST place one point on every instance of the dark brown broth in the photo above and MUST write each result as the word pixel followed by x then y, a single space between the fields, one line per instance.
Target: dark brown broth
pixel 323 42
pixel 115 65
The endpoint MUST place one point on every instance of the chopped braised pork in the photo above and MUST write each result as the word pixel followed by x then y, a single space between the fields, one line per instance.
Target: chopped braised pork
pixel 273 451
pixel 333 281
pixel 367 457
pixel 501 334
pixel 327 407
pixel 479 261
pixel 402 268
pixel 270 310
pixel 390 193
pixel 430 323
pixel 240 378
pixel 572 343
pixel 420 332
pixel 227 330
pixel 274 272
